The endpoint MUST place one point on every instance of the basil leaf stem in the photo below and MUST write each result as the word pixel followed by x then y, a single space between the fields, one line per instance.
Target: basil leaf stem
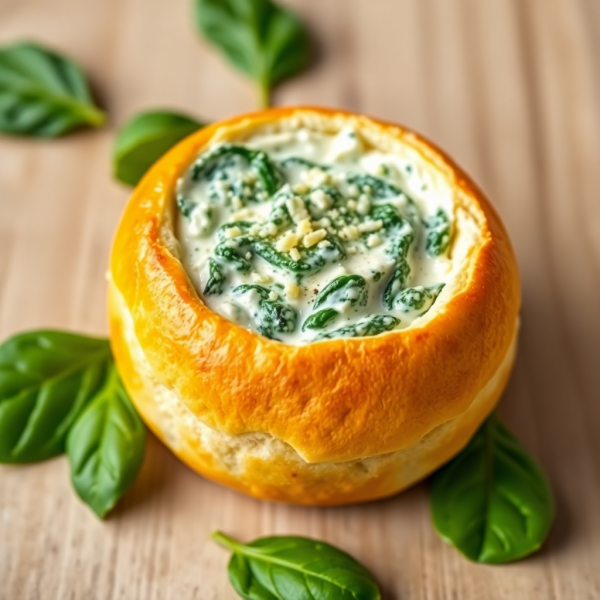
pixel 46 380
pixel 492 501
pixel 43 94
pixel 145 138
pixel 106 446
pixel 282 567
pixel 262 39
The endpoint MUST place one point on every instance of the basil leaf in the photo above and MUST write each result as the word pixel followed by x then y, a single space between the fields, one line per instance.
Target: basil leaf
pixel 438 233
pixel 320 319
pixel 105 446
pixel 292 567
pixel 345 288
pixel 266 170
pixel 43 94
pixel 264 40
pixel 492 501
pixel 216 279
pixel 145 138
pixel 367 326
pixel 46 379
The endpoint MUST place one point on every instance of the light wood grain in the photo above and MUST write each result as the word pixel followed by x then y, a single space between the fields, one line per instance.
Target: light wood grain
pixel 511 88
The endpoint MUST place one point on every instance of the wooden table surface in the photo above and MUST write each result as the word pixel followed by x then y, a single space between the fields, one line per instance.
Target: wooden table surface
pixel 511 88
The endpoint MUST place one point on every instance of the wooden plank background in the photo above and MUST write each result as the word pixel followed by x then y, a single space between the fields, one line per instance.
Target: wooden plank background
pixel 511 88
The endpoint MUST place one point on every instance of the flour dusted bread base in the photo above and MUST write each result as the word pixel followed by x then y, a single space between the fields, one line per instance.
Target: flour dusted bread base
pixel 333 422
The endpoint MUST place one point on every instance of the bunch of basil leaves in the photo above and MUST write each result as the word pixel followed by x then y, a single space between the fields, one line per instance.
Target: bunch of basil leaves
pixel 264 40
pixel 61 392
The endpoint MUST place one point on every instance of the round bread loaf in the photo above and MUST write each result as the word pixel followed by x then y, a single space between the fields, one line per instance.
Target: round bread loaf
pixel 328 422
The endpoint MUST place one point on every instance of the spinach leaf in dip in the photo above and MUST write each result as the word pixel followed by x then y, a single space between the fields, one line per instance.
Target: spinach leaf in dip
pixel 303 236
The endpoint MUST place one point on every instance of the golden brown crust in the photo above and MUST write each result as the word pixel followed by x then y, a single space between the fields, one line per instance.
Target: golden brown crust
pixel 336 400
pixel 272 470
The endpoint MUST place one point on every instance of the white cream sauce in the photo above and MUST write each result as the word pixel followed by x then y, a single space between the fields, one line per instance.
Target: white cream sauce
pixel 227 195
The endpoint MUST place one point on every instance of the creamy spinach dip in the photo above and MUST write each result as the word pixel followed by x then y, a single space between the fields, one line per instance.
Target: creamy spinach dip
pixel 302 235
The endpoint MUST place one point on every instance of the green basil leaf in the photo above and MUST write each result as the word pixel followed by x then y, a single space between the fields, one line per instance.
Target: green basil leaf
pixel 320 319
pixel 298 568
pixel 345 288
pixel 264 40
pixel 145 138
pixel 46 379
pixel 438 233
pixel 106 446
pixel 268 174
pixel 43 94
pixel 492 501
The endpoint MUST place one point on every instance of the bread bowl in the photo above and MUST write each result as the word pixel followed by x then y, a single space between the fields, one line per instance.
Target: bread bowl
pixel 298 414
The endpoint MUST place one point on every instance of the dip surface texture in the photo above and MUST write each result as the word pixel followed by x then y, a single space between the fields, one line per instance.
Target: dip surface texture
pixel 304 235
